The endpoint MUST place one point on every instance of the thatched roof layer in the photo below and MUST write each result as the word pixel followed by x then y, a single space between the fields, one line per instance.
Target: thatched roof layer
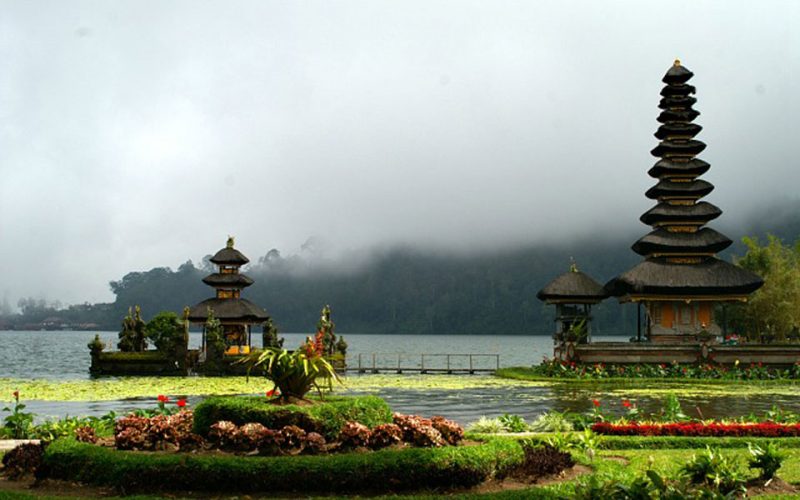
pixel 700 213
pixel 677 129
pixel 677 74
pixel 678 148
pixel 694 189
pixel 658 277
pixel 228 280
pixel 666 166
pixel 228 310
pixel 229 256
pixel 678 90
pixel 573 286
pixel 706 240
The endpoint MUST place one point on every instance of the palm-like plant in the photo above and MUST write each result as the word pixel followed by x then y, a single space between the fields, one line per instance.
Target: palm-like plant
pixel 295 373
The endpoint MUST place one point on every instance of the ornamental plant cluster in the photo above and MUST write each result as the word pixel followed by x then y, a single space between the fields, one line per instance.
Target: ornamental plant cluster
pixel 292 440
pixel 715 429
pixel 174 433
pixel 159 432
pixel 754 371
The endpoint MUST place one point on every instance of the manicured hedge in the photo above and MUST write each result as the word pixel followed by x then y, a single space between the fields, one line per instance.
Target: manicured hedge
pixel 672 442
pixel 326 417
pixel 375 472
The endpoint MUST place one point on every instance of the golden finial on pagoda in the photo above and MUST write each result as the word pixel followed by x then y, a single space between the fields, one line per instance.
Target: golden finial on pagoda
pixel 230 242
pixel 573 266
pixel 677 62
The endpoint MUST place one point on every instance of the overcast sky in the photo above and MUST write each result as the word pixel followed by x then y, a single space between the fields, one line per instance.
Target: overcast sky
pixel 136 134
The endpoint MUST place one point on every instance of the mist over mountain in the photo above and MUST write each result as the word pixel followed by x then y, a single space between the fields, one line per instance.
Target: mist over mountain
pixel 403 289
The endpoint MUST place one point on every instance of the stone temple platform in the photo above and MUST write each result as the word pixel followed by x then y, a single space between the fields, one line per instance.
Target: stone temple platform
pixel 657 353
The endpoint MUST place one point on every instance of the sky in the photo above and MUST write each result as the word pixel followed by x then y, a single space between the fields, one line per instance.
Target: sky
pixel 136 134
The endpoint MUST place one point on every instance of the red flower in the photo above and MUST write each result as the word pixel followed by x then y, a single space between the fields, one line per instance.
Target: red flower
pixel 626 403
pixel 162 398
pixel 596 402
pixel 16 395
pixel 181 403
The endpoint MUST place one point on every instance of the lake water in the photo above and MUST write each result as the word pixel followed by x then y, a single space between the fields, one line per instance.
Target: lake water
pixel 64 355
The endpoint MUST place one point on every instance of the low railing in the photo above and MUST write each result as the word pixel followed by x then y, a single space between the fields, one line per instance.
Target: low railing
pixel 426 363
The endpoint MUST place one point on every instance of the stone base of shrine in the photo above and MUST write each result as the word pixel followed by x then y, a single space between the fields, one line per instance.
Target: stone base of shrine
pixel 643 352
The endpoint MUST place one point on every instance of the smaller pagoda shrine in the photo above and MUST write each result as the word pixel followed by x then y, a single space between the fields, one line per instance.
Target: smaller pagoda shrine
pixel 235 314
pixel 573 293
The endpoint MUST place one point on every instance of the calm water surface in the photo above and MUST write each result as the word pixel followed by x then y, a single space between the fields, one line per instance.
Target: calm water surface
pixel 64 355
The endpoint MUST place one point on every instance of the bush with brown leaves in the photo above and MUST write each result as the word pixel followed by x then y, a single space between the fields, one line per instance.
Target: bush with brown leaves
pixel 450 431
pixel 354 435
pixel 385 435
pixel 418 431
pixel 86 434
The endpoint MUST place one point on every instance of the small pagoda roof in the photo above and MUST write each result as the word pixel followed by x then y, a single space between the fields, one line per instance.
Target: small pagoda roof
pixel 660 241
pixel 667 167
pixel 678 90
pixel 678 130
pixel 677 74
pixel 228 280
pixel 700 213
pixel 676 101
pixel 229 255
pixel 572 287
pixel 677 115
pixel 657 276
pixel 693 189
pixel 228 310
pixel 678 148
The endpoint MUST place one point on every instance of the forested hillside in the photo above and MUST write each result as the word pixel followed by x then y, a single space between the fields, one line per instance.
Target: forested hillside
pixel 405 290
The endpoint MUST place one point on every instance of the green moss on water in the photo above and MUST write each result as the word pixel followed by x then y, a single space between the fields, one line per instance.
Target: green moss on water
pixel 106 389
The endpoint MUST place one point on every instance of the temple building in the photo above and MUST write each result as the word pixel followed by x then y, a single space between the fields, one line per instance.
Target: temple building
pixel 236 314
pixel 681 282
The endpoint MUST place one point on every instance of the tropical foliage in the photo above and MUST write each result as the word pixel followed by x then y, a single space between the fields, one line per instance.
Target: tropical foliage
pixel 772 312
pixel 297 372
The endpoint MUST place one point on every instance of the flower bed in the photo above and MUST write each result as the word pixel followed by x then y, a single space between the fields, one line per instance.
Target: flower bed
pixel 716 429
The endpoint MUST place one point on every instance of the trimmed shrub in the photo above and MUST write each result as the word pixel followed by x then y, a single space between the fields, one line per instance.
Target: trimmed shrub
pixel 378 472
pixel 325 417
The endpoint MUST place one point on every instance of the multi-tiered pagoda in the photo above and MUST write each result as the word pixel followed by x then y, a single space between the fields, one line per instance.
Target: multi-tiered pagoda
pixel 234 313
pixel 681 280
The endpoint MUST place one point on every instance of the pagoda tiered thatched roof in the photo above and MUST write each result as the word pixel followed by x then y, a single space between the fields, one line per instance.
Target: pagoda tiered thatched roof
pixel 680 253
